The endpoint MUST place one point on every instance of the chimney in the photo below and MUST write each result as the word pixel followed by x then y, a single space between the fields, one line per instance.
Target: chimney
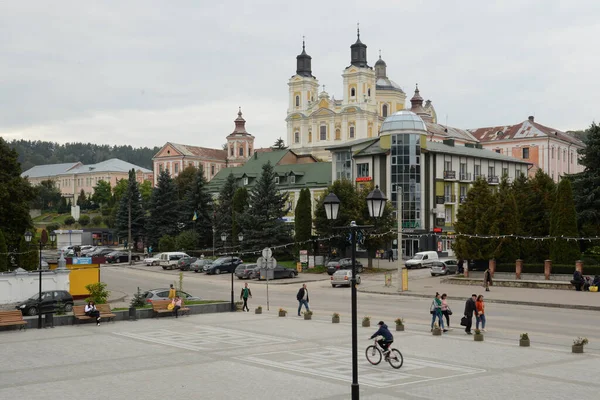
pixel 530 118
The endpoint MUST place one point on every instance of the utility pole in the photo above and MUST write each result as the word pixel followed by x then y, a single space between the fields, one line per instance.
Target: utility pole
pixel 129 233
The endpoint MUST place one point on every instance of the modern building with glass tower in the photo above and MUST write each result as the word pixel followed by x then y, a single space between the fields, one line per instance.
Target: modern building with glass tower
pixel 432 175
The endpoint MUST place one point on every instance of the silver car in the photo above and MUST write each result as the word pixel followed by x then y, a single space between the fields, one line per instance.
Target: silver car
pixel 444 267
pixel 163 294
pixel 342 277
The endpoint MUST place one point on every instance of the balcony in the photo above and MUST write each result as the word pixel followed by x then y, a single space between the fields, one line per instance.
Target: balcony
pixel 477 176
pixel 463 199
pixel 450 175
pixel 493 180
pixel 465 177
pixel 449 198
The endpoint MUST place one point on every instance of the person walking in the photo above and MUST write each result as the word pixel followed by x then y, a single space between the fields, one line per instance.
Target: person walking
pixel 470 309
pixel 92 312
pixel 391 255
pixel 177 304
pixel 302 297
pixel 480 305
pixel 487 279
pixel 436 312
pixel 446 311
pixel 172 292
pixel 244 296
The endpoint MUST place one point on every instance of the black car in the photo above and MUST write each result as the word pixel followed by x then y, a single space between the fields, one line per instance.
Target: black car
pixel 50 301
pixel 280 272
pixel 344 263
pixel 223 264
pixel 120 257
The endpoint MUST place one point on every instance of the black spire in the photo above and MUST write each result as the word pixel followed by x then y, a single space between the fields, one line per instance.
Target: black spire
pixel 359 52
pixel 303 62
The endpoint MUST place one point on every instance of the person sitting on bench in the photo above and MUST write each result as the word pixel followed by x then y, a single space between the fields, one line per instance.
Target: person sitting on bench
pixel 92 312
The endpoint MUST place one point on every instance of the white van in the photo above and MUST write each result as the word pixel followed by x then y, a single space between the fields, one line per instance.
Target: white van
pixel 169 260
pixel 422 259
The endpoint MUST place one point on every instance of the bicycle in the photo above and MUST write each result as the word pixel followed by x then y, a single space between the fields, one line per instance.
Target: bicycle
pixel 374 355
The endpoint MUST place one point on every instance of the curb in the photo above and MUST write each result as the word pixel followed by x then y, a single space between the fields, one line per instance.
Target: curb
pixel 264 282
pixel 488 300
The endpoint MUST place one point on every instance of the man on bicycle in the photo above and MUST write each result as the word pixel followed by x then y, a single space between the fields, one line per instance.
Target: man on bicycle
pixel 387 340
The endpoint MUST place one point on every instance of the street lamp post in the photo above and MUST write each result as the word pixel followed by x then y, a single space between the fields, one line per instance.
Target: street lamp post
pixel 376 204
pixel 43 241
pixel 240 239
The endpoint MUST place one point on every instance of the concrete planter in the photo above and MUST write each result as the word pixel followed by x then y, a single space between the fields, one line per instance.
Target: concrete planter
pixel 307 316
pixel 282 313
pixel 478 337
pixel 577 349
pixel 524 342
pixel 400 328
pixel 366 323
pixel 436 332
pixel 335 320
pixel 258 311
pixel 238 306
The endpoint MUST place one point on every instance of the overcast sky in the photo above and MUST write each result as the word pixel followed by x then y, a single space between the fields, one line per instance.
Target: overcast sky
pixel 146 72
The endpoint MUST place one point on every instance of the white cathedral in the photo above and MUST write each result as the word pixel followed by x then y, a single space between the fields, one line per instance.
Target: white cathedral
pixel 316 121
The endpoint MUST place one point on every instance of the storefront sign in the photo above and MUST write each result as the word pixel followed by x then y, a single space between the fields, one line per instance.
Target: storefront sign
pixel 364 179
pixel 439 199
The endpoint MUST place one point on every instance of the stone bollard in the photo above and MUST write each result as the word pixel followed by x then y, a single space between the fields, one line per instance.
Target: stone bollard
pixel 518 268
pixel 492 266
pixel 466 268
pixel 547 269
pixel 579 266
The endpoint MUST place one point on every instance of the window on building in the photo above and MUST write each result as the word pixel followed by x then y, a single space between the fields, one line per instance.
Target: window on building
pixel 558 155
pixel 504 172
pixel 499 151
pixel 463 192
pixel 362 170
pixel 553 153
pixel 277 180
pixel 231 151
pixel 212 169
pixel 338 134
pixel 297 101
pixel 491 171
pixel 296 137
pixel 323 132
pixel 249 151
pixel 352 92
pixel 245 180
pixel 448 216
pixel 384 110
pixel 176 168
pixel 526 153
pixel 352 132
pixel 476 171
pixel 572 157
pixel 447 165
pixel 292 179
pixel 309 136
pixel 343 165
pixel 564 155
pixel 241 152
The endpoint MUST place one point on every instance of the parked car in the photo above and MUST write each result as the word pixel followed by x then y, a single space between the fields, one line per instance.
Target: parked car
pixel 444 267
pixel 344 263
pixel 245 271
pixel 343 277
pixel 154 260
pixel 163 294
pixel 102 252
pixel 86 252
pixel 50 301
pixel 423 259
pixel 200 264
pixel 184 264
pixel 223 264
pixel 280 272
pixel 121 256
pixel 169 260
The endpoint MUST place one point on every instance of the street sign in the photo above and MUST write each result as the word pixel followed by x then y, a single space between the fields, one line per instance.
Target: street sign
pixel 266 263
pixel 267 253
pixel 82 260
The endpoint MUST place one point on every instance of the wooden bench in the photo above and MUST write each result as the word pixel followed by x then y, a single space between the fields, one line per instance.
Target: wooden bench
pixel 105 312
pixel 161 307
pixel 12 318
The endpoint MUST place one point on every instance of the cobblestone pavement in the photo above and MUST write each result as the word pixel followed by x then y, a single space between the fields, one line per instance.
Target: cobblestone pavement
pixel 243 355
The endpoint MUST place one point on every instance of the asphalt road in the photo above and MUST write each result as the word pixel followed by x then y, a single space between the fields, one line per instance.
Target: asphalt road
pixel 544 325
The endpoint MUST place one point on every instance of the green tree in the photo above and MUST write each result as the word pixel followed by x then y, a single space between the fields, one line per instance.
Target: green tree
pixel 146 192
pixel 52 227
pixel 505 221
pixel 164 209
pixel 130 211
pixel 185 180
pixel 303 219
pixel 29 257
pixel 224 210
pixel 563 222
pixel 167 243
pixel 98 292
pixel 239 205
pixel 3 253
pixel 473 218
pixel 263 223
pixel 198 204
pixel 119 190
pixel 15 196
pixel 186 240
pixel 63 206
pixel 536 216
pixel 586 185
pixel 97 221
pixel 279 144
pixel 84 220
pixel 102 193
pixel 82 201
pixel 47 196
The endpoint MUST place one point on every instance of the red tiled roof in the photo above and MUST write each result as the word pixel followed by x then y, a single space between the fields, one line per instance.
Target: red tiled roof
pixel 525 129
pixel 213 154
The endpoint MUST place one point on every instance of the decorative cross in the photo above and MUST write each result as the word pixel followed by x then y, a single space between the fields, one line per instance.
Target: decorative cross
pixel 323 87
pixel 358 29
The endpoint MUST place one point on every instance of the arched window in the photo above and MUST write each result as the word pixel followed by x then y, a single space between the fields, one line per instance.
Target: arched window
pixel 297 101
pixel 338 135
pixel 384 110
pixel 351 132
pixel 309 136
pixel 241 152
pixel 231 151
pixel 352 92
pixel 369 92
pixel 323 132
pixel 296 137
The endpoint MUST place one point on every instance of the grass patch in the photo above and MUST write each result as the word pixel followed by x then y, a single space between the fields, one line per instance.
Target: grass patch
pixel 287 264
pixel 187 303
pixel 315 270
pixel 125 309
pixel 377 270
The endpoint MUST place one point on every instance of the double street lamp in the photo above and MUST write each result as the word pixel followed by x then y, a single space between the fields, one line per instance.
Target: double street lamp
pixel 240 239
pixel 43 241
pixel 376 204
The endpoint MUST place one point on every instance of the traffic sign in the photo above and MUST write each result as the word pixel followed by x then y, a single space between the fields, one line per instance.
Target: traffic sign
pixel 263 263
pixel 267 252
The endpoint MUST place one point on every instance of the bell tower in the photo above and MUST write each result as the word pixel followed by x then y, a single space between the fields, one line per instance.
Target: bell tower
pixel 240 144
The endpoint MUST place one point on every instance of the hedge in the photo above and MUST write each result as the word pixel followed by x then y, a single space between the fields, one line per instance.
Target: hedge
pixel 556 268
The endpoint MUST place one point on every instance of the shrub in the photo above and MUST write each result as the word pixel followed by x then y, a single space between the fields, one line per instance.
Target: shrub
pixel 69 221
pixel 98 292
pixel 524 336
pixel 97 221
pixel 580 341
pixel 335 315
pixel 138 300
pixel 477 331
pixel 84 220
pixel 399 321
pixel 52 227
pixel 366 319
pixel 186 240
pixel 60 308
pixel 166 243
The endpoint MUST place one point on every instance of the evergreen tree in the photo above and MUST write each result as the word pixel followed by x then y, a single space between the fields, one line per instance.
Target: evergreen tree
pixel 186 240
pixel 303 219
pixel 29 257
pixel 82 200
pixel 375 237
pixel 263 224
pixel 279 144
pixel 586 185
pixel 224 211
pixel 185 180
pixel 3 253
pixel 15 196
pixel 505 222
pixel 164 209
pixel 536 216
pixel 239 205
pixel 197 210
pixel 47 196
pixel 102 193
pixel 63 206
pixel 563 222
pixel 474 218
pixel 131 200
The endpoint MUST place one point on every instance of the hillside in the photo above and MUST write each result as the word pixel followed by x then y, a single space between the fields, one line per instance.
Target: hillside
pixel 32 153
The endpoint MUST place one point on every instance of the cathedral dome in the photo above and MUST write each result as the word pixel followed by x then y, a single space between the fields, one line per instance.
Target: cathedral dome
pixel 403 120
